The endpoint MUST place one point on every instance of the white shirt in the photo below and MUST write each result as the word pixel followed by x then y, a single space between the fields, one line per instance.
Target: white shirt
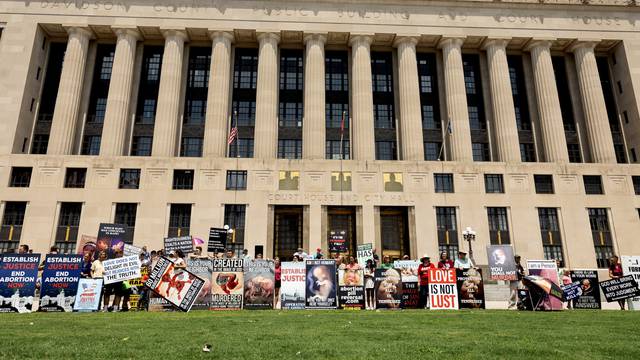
pixel 463 264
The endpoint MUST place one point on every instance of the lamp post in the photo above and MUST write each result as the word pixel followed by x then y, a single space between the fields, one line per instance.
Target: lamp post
pixel 230 232
pixel 469 235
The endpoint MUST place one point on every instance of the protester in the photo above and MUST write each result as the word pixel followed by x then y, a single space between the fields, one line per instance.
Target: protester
pixel 566 281
pixel 318 254
pixel 353 264
pixel 245 255
pixel 445 262
pixel 514 285
pixel 369 284
pixel 144 261
pixel 423 279
pixel 230 254
pixel 258 256
pixel 86 266
pixel 301 254
pixel 376 258
pixel 146 254
pixel 278 279
pixel 405 257
pixel 97 269
pixel 117 289
pixel 462 262
pixel 386 263
pixel 615 272
pixel 23 249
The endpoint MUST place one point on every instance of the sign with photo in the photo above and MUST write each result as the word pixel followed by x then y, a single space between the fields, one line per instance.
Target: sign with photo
pixel 59 283
pixel 364 252
pixel 571 291
pixel 351 289
pixel 18 275
pixel 410 289
pixel 87 245
pixel 202 268
pixel 292 288
pixel 388 288
pixel 178 286
pixel 443 292
pixel 470 289
pixel 183 243
pixel 620 289
pixel 111 239
pixel 588 280
pixel 88 295
pixel 631 266
pixel 321 289
pixel 217 240
pixel 259 284
pixel 120 269
pixel 338 241
pixel 227 280
pixel 502 265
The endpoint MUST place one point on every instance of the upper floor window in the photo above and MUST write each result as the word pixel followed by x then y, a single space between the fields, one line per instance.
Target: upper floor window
pixel 443 183
pixel 493 183
pixel 129 179
pixel 75 177
pixel 593 185
pixel 182 179
pixel 236 180
pixel 543 183
pixel 20 177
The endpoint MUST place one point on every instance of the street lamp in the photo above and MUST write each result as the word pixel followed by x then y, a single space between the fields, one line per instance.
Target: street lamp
pixel 469 235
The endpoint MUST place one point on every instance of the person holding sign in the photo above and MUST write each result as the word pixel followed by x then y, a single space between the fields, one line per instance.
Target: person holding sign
pixel 423 280
pixel 369 284
pixel 615 272
pixel 445 262
pixel 462 262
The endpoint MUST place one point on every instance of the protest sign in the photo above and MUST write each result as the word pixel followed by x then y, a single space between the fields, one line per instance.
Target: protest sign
pixel 292 277
pixel 87 245
pixel 631 266
pixel 130 250
pixel 388 288
pixel 259 284
pixel 178 286
pixel 202 268
pixel 111 239
pixel 548 270
pixel 226 284
pixel 470 289
pixel 59 282
pixel 620 289
pixel 144 276
pixel 159 304
pixel 409 276
pixel 443 293
pixel 18 275
pixel 217 240
pixel 120 269
pixel 588 280
pixel 321 289
pixel 571 291
pixel 502 265
pixel 364 252
pixel 183 243
pixel 338 241
pixel 351 289
pixel 88 295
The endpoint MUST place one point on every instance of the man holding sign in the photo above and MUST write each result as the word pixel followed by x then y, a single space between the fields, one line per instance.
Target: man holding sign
pixel 116 272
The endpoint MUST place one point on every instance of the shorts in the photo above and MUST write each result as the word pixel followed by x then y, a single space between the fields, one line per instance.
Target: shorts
pixel 278 284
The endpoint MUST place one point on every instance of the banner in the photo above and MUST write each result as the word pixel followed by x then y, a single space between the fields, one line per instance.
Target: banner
pixel 178 286
pixel 110 239
pixel 217 240
pixel 548 270
pixel 338 241
pixel 388 288
pixel 502 265
pixel 631 266
pixel 320 292
pixel 159 304
pixel 351 289
pixel 120 269
pixel 571 291
pixel 184 243
pixel 88 295
pixel 59 282
pixel 410 289
pixel 226 284
pixel 364 252
pixel 87 245
pixel 202 268
pixel 292 279
pixel 443 293
pixel 470 289
pixel 259 284
pixel 588 280
pixel 130 250
pixel 18 275
pixel 620 289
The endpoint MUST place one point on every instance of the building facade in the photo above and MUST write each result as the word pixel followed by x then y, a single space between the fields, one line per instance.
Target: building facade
pixel 399 123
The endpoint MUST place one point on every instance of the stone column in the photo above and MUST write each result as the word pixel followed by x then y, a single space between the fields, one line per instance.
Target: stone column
pixel 116 117
pixel 595 110
pixel 553 139
pixel 266 127
pixel 456 100
pixel 313 126
pixel 65 114
pixel 504 115
pixel 165 131
pixel 410 107
pixel 362 134
pixel 216 126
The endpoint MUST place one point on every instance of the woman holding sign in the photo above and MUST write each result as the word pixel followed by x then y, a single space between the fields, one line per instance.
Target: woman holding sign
pixel 423 278
pixel 615 272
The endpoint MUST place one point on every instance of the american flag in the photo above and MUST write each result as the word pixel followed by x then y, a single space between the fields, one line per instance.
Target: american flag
pixel 233 134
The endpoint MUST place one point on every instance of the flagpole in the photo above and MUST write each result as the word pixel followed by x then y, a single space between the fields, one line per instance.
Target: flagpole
pixel 235 188
pixel 341 176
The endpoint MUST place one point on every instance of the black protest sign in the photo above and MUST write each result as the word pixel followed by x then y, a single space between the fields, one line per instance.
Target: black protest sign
pixel 590 298
pixel 337 241
pixel 217 240
pixel 619 289
pixel 183 243
pixel 470 289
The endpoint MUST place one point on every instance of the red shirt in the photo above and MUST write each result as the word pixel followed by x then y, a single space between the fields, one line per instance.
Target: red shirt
pixel 423 273
pixel 278 273
pixel 447 264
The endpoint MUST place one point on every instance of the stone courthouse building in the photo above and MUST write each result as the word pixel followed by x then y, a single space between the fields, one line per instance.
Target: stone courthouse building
pixel 397 123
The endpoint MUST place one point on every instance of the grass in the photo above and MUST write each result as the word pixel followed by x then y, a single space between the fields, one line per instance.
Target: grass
pixel 391 335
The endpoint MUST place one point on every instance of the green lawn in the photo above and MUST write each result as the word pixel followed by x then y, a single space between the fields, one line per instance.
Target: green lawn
pixel 390 335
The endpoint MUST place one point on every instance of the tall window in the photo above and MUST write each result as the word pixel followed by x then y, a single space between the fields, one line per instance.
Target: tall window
pixel 498 225
pixel 68 223
pixel 550 234
pixel 291 105
pixel 12 221
pixel 521 108
pixel 383 106
pixel 430 106
pixel 245 78
pixel 612 111
pixel 126 215
pixel 179 220
pixel 337 104
pixel 566 108
pixel 475 107
pixel 601 234
pixel 195 104
pixel 98 100
pixel 234 216
pixel 447 231
pixel 147 101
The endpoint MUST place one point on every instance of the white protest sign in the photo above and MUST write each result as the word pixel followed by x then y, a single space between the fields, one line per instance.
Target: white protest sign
pixel 130 250
pixel 120 269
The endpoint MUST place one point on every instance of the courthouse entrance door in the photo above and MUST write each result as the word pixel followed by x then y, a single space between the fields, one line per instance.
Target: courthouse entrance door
pixel 343 218
pixel 287 231
pixel 394 232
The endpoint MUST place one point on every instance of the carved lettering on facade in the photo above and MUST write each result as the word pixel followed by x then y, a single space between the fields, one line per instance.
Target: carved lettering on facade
pixel 84 5
pixel 519 19
pixel 598 20
pixel 332 198
pixel 452 16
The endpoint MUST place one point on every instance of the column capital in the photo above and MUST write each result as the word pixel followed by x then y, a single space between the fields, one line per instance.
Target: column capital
pixel 366 38
pixel 543 42
pixel 499 42
pixel 83 30
pixel 227 35
pixel 180 33
pixel 583 44
pixel 322 37
pixel 455 41
pixel 263 36
pixel 411 40
pixel 122 31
